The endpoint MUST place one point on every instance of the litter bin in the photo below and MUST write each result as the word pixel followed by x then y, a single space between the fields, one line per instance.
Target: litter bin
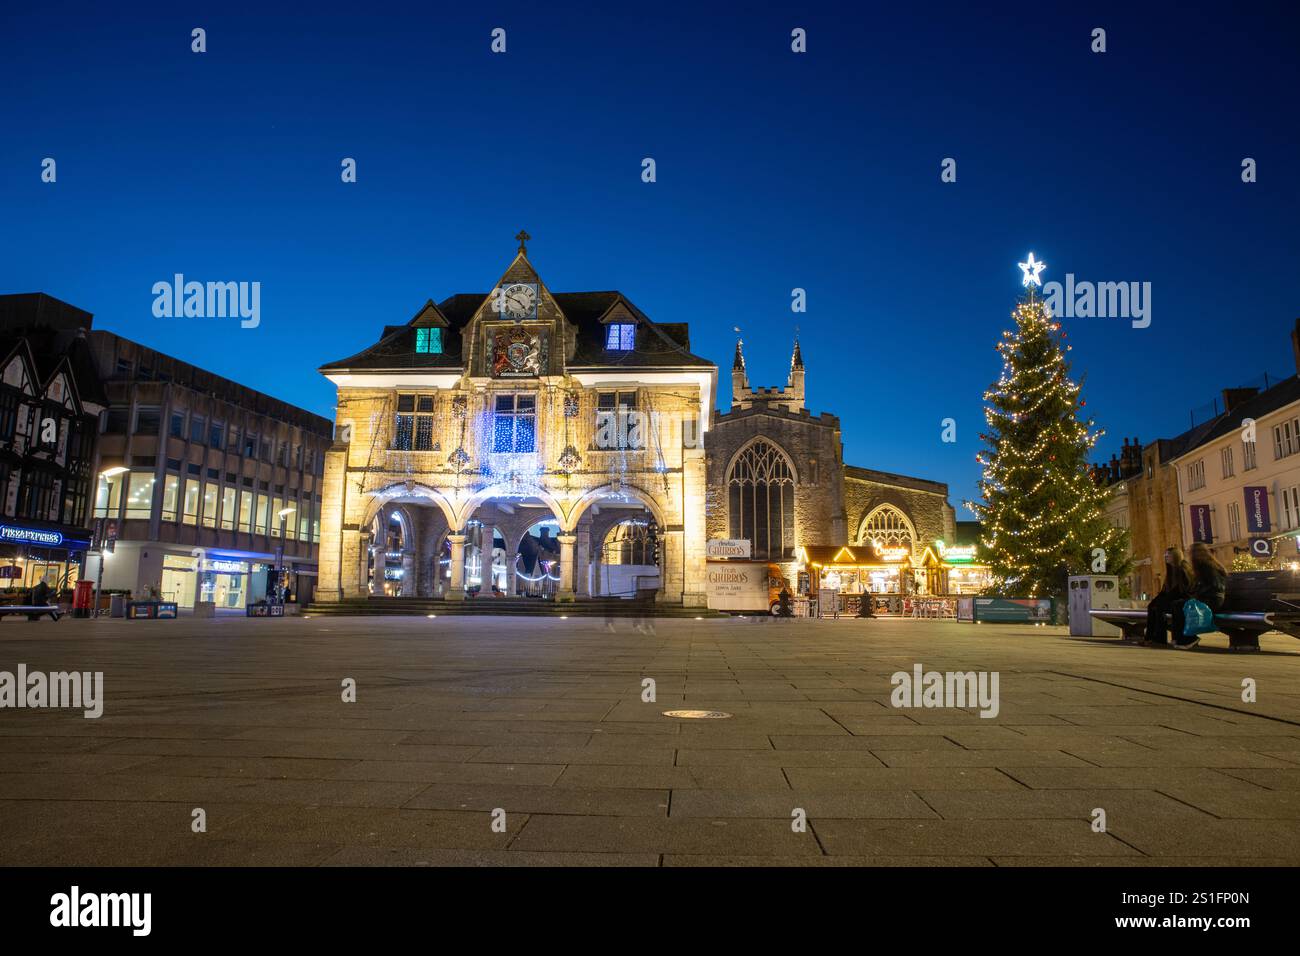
pixel 117 605
pixel 1092 592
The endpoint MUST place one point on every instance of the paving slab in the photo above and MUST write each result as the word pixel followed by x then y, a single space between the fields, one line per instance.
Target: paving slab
pixel 543 719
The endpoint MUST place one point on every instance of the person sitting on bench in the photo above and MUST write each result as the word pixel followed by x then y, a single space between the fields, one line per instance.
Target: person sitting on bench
pixel 1209 586
pixel 1177 589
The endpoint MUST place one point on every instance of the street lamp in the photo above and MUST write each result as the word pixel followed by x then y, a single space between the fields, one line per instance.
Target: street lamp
pixel 279 551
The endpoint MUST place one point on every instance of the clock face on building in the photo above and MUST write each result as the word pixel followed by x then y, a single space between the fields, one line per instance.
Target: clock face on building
pixel 519 301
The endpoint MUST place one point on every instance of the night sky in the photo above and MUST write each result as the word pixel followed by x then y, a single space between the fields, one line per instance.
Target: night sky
pixel 775 171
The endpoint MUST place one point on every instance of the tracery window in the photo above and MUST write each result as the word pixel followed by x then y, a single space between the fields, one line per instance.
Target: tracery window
pixel 760 488
pixel 888 526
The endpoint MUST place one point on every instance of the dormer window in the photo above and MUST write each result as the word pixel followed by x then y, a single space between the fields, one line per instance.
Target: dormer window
pixel 428 341
pixel 620 336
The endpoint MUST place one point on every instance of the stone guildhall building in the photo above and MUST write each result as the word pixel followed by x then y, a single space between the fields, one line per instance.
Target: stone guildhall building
pixel 524 442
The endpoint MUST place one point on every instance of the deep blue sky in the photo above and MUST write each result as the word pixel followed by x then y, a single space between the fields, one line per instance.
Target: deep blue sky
pixel 775 170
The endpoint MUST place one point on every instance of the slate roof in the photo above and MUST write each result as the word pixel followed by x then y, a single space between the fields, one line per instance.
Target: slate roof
pixel 657 344
pixel 1270 400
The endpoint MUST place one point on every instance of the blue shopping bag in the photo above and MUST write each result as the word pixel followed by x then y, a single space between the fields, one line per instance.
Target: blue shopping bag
pixel 1197 618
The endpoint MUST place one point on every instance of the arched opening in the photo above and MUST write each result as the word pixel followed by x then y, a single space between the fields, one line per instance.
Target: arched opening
pixel 628 562
pixel 485 561
pixel 760 499
pixel 537 560
pixel 390 538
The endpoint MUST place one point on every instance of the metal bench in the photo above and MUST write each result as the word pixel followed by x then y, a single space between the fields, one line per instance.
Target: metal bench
pixel 1255 602
pixel 33 611
pixel 1243 628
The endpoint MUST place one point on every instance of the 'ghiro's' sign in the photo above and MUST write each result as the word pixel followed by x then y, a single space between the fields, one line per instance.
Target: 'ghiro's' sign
pixel 51 539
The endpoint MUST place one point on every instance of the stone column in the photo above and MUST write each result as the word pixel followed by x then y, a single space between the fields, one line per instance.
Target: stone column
pixel 456 589
pixel 673 566
pixel 582 561
pixel 694 564
pixel 409 582
pixel 565 590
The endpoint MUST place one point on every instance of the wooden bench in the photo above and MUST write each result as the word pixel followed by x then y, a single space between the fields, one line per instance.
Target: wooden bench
pixel 1255 602
pixel 33 611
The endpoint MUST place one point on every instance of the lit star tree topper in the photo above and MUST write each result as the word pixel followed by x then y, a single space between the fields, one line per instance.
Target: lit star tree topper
pixel 1042 513
pixel 1031 269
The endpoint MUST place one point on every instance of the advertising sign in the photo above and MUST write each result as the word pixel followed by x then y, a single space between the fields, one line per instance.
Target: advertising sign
pixel 1014 610
pixel 1257 519
pixel 1201 529
pixel 737 585
pixel 727 548
pixel 1261 548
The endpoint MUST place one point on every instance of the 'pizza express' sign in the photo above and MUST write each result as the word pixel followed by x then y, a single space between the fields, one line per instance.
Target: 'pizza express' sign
pixel 9 532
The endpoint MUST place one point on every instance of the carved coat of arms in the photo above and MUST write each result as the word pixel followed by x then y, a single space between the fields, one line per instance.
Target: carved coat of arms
pixel 518 353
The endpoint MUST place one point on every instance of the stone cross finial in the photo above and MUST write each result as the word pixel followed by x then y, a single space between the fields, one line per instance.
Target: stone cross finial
pixel 523 237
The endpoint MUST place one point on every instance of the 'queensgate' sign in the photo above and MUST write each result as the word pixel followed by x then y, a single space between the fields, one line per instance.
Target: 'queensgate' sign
pixel 1257 517
pixel 10 532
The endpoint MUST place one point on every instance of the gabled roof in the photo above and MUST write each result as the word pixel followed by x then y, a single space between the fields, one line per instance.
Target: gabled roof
pixel 1279 396
pixel 657 345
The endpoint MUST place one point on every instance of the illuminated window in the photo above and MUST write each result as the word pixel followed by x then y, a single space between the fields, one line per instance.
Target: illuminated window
pixel 620 336
pixel 428 340
pixel 514 428
pixel 888 527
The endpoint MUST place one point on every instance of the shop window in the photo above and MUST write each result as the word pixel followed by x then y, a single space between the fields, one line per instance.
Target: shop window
pixel 760 489
pixel 209 505
pixel 620 336
pixel 108 496
pixel 228 509
pixel 191 513
pixel 515 426
pixel 245 510
pixel 139 495
pixel 428 341
pixel 171 496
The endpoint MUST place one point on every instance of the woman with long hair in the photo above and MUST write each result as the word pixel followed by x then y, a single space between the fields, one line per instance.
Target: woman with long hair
pixel 1179 578
pixel 1209 586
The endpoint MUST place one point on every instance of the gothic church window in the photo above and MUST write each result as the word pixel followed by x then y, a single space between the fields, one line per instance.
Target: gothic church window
pixel 889 527
pixel 760 489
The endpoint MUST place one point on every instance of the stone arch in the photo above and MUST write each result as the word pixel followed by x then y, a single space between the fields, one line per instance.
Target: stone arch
pixel 465 510
pixel 378 499
pixel 766 440
pixel 595 495
pixel 889 520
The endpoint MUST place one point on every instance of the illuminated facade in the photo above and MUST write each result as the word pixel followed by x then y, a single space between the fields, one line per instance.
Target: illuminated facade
pixel 511 443
pixel 520 442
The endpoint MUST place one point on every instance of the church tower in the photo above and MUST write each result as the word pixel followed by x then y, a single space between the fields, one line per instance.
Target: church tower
pixel 794 384
pixel 740 392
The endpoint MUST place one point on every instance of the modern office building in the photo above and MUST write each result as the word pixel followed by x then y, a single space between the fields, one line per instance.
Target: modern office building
pixel 213 485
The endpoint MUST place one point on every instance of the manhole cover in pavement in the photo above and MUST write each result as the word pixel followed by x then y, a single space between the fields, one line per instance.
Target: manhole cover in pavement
pixel 697 714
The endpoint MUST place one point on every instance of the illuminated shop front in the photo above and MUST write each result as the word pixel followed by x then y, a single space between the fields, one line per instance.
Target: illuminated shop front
pixel 31 552
pixel 961 572
pixel 864 568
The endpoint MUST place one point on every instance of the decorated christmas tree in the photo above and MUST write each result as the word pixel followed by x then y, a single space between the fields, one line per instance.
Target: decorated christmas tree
pixel 1042 514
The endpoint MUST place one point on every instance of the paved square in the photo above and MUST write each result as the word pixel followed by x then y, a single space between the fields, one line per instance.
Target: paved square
pixel 543 718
